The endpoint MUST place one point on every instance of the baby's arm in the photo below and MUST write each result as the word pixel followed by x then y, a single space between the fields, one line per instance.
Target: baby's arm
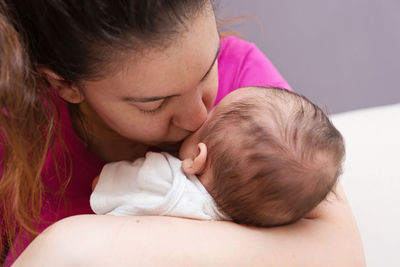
pixel 131 188
pixel 114 187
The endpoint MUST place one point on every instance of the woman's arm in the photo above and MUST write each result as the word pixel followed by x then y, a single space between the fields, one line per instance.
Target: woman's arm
pixel 329 238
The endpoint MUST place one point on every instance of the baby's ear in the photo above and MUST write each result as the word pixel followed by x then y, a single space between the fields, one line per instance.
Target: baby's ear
pixel 196 165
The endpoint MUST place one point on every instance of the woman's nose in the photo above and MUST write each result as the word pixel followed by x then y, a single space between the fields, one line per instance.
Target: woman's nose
pixel 191 115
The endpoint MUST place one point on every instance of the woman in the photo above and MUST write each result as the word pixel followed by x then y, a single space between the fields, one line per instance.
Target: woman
pixel 126 77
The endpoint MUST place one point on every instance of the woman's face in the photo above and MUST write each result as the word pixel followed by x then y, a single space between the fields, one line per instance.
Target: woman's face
pixel 160 96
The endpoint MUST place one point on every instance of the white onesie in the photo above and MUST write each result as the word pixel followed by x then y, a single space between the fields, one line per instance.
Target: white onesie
pixel 153 185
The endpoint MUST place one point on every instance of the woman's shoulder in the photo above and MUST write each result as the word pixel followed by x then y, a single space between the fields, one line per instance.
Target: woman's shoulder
pixel 236 42
pixel 234 49
pixel 241 64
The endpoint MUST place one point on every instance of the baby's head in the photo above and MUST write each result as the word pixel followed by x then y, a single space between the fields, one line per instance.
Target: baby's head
pixel 267 156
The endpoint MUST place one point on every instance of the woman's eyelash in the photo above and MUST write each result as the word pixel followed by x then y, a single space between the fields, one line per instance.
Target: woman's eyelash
pixel 152 110
pixel 149 111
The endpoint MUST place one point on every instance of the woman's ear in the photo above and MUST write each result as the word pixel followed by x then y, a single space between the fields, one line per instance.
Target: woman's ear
pixel 198 164
pixel 66 90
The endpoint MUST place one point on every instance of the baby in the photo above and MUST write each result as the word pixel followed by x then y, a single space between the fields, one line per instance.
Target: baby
pixel 264 157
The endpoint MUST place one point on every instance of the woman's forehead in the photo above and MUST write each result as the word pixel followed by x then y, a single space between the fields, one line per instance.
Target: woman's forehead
pixel 181 65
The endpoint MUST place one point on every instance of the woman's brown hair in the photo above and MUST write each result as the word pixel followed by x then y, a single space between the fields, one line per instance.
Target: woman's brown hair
pixel 26 128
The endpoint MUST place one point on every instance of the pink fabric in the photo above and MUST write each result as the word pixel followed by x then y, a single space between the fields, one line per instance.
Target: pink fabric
pixel 240 64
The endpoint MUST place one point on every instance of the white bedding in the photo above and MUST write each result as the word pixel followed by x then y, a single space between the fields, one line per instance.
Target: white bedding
pixel 371 178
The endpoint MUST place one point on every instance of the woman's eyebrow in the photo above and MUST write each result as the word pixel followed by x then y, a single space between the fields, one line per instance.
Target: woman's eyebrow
pixel 215 59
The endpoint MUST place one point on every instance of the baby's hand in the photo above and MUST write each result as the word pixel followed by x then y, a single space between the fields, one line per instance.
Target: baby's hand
pixel 94 183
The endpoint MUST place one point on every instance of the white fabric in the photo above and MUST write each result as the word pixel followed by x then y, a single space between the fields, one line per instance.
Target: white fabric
pixel 154 185
pixel 371 179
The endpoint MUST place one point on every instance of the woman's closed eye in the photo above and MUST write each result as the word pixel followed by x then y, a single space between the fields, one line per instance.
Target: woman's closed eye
pixel 150 107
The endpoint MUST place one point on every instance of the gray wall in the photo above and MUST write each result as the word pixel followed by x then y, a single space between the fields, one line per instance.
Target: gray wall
pixel 342 54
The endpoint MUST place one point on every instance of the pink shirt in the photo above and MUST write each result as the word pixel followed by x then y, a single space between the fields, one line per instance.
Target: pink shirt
pixel 240 64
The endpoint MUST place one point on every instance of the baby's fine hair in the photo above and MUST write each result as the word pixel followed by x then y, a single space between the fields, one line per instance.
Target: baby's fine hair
pixel 274 156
